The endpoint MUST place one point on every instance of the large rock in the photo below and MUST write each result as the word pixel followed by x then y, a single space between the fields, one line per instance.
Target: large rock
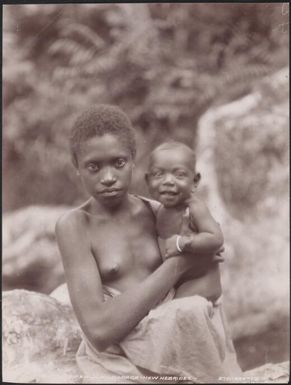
pixel 61 294
pixel 40 337
pixel 243 157
pixel 270 373
pixel 31 259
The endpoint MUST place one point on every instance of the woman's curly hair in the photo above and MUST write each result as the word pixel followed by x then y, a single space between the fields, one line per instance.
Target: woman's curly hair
pixel 98 121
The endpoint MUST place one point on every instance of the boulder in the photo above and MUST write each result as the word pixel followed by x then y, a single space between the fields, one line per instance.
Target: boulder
pixel 31 259
pixel 243 157
pixel 40 337
pixel 61 294
pixel 270 373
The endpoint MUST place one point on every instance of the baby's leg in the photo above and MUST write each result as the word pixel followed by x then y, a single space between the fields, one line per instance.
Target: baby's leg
pixel 207 286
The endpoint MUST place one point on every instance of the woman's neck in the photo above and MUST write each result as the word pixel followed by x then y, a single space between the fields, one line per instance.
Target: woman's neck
pixel 96 208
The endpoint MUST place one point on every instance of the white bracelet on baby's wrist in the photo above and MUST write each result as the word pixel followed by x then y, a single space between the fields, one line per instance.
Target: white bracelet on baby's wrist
pixel 178 245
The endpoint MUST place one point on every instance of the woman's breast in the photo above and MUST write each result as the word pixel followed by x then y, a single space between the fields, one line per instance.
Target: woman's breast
pixel 123 257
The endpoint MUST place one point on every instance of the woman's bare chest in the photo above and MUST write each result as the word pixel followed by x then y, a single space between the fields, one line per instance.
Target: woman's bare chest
pixel 121 247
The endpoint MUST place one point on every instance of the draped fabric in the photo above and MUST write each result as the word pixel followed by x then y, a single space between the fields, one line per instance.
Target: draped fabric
pixel 182 340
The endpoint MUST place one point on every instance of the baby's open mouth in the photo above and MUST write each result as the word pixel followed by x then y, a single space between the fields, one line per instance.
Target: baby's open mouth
pixel 172 193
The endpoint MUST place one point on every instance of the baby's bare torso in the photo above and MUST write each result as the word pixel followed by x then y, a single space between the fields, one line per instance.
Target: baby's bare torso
pixel 204 281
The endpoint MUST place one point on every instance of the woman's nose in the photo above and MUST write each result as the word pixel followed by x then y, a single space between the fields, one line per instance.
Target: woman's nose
pixel 108 178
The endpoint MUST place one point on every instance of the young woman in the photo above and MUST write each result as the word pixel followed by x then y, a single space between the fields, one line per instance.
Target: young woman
pixel 113 266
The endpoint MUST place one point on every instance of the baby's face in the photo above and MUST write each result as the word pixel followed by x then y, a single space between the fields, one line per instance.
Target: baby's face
pixel 171 176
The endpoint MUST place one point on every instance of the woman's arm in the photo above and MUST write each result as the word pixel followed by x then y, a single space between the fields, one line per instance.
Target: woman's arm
pixel 105 323
pixel 207 241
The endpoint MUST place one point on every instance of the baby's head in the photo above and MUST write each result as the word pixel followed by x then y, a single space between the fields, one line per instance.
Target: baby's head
pixel 171 175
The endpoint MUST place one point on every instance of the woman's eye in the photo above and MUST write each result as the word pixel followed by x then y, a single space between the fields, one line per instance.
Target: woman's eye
pixel 120 163
pixel 93 167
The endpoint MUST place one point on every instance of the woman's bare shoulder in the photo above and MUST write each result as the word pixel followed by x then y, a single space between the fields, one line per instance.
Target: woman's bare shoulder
pixel 72 239
pixel 72 220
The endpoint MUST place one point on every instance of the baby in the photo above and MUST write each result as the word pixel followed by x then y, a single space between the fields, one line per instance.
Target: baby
pixel 184 223
pixel 185 226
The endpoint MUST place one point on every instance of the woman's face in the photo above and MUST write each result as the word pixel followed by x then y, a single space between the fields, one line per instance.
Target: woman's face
pixel 105 166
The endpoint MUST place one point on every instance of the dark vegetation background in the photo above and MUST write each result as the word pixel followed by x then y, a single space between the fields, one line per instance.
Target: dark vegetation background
pixel 164 64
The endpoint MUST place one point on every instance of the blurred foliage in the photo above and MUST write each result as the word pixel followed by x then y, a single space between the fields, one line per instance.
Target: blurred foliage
pixel 164 64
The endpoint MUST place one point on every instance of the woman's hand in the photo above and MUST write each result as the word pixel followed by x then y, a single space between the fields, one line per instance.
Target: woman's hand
pixel 184 264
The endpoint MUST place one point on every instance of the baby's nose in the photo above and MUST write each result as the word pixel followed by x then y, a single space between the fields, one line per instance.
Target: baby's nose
pixel 168 179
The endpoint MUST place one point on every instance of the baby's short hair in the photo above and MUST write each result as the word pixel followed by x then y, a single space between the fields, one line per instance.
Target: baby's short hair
pixel 172 145
pixel 98 121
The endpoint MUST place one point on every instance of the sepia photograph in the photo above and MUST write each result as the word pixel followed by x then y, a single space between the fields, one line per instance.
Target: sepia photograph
pixel 145 193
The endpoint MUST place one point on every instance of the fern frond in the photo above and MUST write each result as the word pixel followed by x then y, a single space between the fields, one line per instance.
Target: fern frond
pixel 64 46
pixel 85 34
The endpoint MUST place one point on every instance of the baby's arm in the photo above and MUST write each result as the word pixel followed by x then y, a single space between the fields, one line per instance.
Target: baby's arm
pixel 209 237
pixel 206 241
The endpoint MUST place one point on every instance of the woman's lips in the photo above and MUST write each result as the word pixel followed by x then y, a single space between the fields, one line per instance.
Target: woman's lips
pixel 111 192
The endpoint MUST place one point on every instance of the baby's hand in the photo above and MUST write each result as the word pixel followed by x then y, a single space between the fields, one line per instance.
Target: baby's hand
pixel 171 249
pixel 218 257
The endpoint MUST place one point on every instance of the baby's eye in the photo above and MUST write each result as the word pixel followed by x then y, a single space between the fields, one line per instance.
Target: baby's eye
pixel 120 162
pixel 93 167
pixel 156 173
pixel 180 174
